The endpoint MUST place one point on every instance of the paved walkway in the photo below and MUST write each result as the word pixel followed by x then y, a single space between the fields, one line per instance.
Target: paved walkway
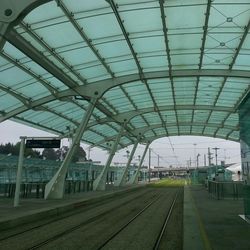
pixel 213 224
pixel 34 209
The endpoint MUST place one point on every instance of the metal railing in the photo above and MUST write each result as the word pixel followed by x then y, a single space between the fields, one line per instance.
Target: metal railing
pixel 224 190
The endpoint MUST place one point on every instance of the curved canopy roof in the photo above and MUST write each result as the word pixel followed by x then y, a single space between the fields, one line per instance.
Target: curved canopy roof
pixel 171 67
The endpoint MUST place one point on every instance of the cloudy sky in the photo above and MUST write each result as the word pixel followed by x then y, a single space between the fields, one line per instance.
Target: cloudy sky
pixel 182 150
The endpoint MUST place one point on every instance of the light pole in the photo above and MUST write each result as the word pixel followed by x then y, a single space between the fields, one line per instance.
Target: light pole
pixel 195 154
pixel 216 163
pixel 197 160
pixel 158 165
pixel 149 163
pixel 216 149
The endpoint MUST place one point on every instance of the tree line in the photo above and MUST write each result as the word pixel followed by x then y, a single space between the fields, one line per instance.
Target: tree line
pixel 47 153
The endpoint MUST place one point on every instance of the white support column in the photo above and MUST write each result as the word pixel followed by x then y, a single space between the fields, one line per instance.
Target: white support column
pixel 100 181
pixel 19 171
pixel 122 180
pixel 245 159
pixel 55 187
pixel 134 178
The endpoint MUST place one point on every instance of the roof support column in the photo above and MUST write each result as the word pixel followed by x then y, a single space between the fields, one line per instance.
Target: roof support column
pixel 134 178
pixel 122 179
pixel 55 187
pixel 100 181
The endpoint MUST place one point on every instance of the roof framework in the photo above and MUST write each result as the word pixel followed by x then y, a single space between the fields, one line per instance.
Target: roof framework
pixel 167 67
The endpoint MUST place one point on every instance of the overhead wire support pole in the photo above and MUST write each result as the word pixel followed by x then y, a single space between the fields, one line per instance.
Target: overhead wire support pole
pixel 216 149
pixel 55 187
pixel 149 164
pixel 100 181
pixel 134 178
pixel 122 180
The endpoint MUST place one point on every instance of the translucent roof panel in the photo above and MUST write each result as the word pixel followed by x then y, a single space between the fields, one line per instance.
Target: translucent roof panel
pixel 151 71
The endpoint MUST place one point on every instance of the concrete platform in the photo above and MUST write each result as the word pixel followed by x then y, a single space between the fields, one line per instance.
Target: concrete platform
pixel 34 209
pixel 213 224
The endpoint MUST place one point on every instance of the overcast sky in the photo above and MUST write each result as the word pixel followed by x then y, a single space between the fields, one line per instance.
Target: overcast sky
pixel 185 147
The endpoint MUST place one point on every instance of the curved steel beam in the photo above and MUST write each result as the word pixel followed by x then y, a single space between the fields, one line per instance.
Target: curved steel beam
pixel 140 131
pixel 132 114
pixel 104 85
pixel 11 92
pixel 151 139
pixel 11 11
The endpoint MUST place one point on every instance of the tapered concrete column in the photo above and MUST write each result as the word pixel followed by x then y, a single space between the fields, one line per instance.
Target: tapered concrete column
pixel 122 180
pixel 134 178
pixel 55 187
pixel 19 172
pixel 100 181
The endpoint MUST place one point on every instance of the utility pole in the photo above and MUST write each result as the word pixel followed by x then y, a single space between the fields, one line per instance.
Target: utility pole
pixel 195 155
pixel 216 149
pixel 209 157
pixel 149 164
pixel 158 164
pixel 205 163
pixel 197 160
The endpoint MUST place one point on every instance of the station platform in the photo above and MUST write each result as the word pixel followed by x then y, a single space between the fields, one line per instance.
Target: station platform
pixel 208 223
pixel 34 209
pixel 213 224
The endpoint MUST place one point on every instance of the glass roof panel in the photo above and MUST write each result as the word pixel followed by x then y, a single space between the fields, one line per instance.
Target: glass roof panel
pixel 88 41
pixel 107 26
pixel 138 122
pixel 8 102
pixel 234 135
pixel 197 129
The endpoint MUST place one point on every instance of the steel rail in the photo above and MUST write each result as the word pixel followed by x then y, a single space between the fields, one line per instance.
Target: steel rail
pixel 163 229
pixel 126 224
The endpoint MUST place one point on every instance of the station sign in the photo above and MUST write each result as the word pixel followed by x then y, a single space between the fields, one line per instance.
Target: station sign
pixel 51 143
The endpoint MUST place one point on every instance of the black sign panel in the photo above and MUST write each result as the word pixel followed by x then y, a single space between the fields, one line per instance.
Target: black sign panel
pixel 52 143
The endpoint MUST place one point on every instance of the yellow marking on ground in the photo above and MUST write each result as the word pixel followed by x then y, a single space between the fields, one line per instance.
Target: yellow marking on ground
pixel 204 236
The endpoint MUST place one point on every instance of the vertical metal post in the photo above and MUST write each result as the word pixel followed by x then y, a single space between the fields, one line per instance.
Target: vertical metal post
pixel 122 180
pixel 197 160
pixel 209 157
pixel 205 163
pixel 158 164
pixel 19 171
pixel 55 187
pixel 216 163
pixel 100 181
pixel 134 178
pixel 149 164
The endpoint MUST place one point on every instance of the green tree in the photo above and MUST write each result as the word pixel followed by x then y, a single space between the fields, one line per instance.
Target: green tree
pixel 80 154
pixel 49 154
pixel 14 150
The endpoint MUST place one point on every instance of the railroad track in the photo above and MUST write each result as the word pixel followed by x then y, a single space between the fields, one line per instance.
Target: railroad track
pixel 79 225
pixel 164 226
pixel 90 205
pixel 162 230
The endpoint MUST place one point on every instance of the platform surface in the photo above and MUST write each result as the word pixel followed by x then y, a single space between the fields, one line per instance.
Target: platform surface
pixel 213 224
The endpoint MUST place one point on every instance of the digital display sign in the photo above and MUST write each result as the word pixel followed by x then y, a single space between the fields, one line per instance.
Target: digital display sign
pixel 52 143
